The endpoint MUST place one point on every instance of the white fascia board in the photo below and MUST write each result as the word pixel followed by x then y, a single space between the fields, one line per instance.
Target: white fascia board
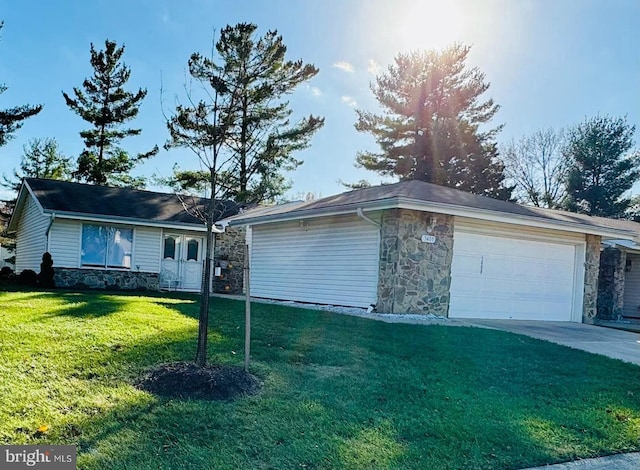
pixel 516 219
pixel 125 221
pixel 20 201
pixel 440 208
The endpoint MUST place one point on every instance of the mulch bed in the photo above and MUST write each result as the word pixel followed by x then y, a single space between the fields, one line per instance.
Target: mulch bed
pixel 211 382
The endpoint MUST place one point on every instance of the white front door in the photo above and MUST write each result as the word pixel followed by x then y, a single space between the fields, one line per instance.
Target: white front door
pixel 182 261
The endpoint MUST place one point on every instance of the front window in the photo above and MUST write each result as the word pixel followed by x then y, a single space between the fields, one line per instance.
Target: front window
pixel 105 246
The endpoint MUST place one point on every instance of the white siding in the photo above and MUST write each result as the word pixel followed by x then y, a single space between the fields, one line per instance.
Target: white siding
pixel 64 243
pixel 65 240
pixel 147 243
pixel 515 231
pixel 31 240
pixel 324 260
pixel 631 306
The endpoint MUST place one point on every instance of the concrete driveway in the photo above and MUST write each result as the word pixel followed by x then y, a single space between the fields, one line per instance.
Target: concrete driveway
pixel 618 344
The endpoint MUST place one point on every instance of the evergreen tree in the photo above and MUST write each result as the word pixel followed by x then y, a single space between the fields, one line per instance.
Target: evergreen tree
pixel 430 126
pixel 106 105
pixel 41 159
pixel 12 119
pixel 262 139
pixel 602 167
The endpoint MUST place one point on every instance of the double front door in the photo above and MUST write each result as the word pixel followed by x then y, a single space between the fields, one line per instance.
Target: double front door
pixel 182 260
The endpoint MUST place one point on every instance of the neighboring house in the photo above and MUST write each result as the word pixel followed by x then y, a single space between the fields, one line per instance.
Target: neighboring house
pixel 102 237
pixel 619 285
pixel 415 247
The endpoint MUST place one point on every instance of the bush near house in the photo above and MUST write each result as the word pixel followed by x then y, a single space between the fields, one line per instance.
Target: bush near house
pixel 339 391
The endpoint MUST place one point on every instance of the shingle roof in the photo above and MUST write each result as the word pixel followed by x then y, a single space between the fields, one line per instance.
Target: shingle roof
pixel 428 194
pixel 118 203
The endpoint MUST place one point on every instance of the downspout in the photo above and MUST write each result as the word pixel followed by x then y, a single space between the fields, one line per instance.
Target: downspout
pixel 364 217
pixel 46 234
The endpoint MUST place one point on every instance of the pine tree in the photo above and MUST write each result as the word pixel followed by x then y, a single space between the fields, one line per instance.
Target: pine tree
pixel 12 119
pixel 262 139
pixel 41 159
pixel 106 105
pixel 602 167
pixel 430 126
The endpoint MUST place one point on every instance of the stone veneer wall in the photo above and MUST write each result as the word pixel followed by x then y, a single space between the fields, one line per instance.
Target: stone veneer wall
pixel 104 279
pixel 611 284
pixel 414 276
pixel 591 272
pixel 230 244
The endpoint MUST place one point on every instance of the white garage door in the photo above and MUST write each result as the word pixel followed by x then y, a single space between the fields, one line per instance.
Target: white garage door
pixel 326 261
pixel 500 277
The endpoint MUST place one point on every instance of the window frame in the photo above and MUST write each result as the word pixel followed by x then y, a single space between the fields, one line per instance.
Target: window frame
pixel 106 266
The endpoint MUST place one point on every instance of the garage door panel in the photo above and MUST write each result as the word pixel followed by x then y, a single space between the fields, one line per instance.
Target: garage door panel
pixel 323 261
pixel 519 279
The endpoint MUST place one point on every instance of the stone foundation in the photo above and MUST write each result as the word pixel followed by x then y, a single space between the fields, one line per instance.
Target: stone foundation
pixel 74 278
pixel 414 276
pixel 230 247
pixel 591 273
pixel 611 284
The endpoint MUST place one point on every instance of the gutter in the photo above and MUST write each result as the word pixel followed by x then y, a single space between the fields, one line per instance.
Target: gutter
pixel 442 208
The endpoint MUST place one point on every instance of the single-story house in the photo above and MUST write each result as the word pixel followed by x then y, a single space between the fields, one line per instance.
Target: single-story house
pixel 415 247
pixel 103 237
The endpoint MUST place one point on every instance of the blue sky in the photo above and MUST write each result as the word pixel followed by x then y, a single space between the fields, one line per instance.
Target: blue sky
pixel 551 63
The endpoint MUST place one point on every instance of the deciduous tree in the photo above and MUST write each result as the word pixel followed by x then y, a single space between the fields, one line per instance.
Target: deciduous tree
pixel 536 166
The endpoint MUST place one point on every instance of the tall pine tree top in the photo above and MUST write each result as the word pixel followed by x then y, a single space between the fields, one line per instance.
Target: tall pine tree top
pixel 430 126
pixel 104 103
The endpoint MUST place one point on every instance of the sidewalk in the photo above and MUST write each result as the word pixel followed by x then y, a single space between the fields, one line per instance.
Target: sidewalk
pixel 613 462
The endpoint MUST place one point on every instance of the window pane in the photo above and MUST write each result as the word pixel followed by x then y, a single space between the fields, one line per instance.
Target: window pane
pixel 169 248
pixel 192 250
pixel 94 245
pixel 120 242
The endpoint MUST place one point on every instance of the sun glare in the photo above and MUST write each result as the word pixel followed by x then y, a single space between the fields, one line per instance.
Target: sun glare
pixel 427 24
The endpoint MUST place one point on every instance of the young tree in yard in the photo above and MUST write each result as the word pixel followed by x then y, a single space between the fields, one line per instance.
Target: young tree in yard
pixel 12 119
pixel 430 126
pixel 239 131
pixel 262 138
pixel 602 166
pixel 106 105
pixel 537 167
pixel 204 127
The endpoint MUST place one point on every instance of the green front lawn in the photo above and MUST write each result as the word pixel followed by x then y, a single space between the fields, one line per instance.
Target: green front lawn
pixel 339 391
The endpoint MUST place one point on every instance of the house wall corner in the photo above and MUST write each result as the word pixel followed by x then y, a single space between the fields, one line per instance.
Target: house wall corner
pixel 414 276
pixel 611 284
pixel 229 248
pixel 591 274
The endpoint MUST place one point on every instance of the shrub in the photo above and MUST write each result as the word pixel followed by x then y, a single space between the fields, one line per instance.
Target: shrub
pixel 45 277
pixel 28 277
pixel 5 272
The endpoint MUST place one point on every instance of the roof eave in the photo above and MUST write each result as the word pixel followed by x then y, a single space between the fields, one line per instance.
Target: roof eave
pixel 127 221
pixel 441 208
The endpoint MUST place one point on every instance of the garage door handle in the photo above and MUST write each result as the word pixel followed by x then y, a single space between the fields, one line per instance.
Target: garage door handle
pixel 481 264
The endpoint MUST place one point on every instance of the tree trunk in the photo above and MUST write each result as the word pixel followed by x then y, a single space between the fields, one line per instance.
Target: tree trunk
pixel 205 295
